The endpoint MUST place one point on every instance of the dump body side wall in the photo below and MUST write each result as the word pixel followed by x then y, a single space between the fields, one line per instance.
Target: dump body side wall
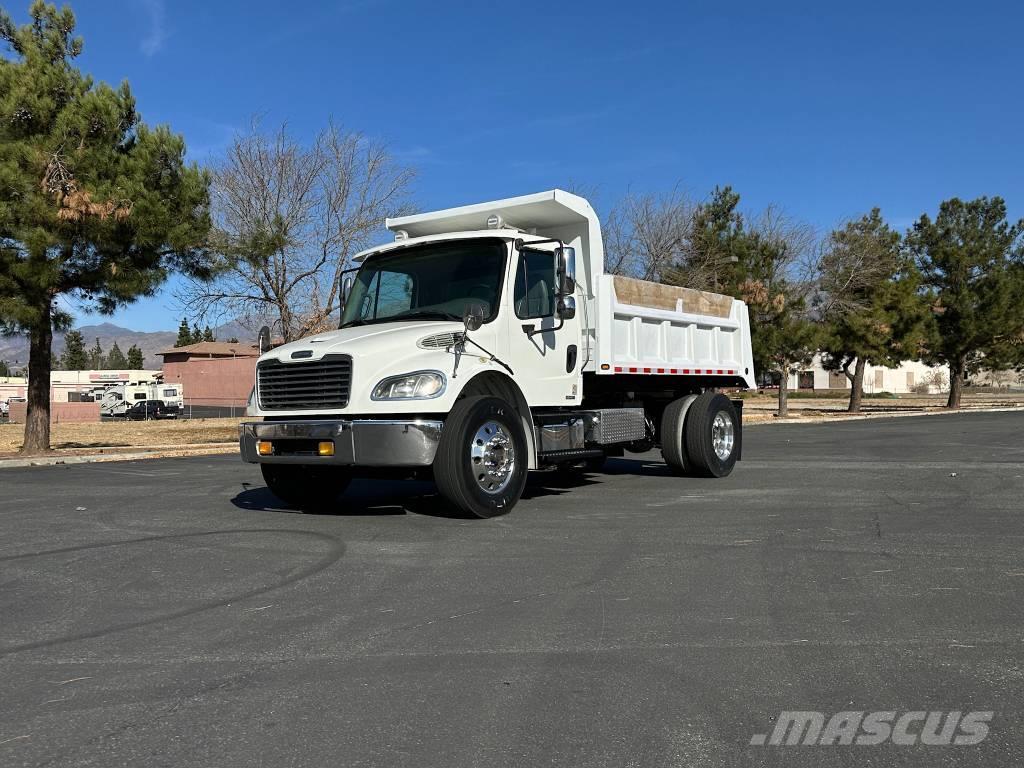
pixel 636 340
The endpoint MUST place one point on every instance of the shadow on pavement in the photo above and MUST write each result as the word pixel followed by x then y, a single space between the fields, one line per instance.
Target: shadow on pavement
pixel 363 498
pixel 400 497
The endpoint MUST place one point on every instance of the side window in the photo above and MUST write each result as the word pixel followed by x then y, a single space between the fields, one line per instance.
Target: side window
pixel 534 294
pixel 140 395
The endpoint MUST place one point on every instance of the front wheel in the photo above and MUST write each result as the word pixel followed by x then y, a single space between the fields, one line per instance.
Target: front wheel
pixel 304 486
pixel 480 465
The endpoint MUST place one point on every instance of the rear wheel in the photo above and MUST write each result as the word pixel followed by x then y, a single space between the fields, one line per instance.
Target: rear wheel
pixel 712 435
pixel 480 465
pixel 306 487
pixel 673 438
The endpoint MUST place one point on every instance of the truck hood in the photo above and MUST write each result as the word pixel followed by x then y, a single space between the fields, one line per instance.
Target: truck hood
pixel 361 339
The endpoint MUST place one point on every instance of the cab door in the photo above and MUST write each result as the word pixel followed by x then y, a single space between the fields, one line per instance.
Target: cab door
pixel 545 348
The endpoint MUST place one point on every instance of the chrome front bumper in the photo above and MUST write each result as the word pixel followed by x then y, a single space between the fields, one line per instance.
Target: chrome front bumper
pixel 362 442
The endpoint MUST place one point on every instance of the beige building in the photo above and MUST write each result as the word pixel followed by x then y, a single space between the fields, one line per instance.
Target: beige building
pixel 910 376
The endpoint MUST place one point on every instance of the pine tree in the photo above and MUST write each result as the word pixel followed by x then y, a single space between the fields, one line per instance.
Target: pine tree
pixel 184 334
pixel 872 303
pixel 973 259
pixel 135 361
pixel 74 357
pixel 208 334
pixel 197 333
pixel 96 360
pixel 94 205
pixel 116 361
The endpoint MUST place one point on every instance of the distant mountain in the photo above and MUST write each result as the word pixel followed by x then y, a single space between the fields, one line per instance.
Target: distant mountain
pixel 14 349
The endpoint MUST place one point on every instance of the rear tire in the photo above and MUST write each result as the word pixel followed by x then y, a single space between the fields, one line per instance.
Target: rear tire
pixel 481 460
pixel 306 487
pixel 712 435
pixel 673 439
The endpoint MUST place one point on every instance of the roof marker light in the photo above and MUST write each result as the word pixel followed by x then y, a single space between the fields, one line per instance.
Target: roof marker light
pixel 401 235
pixel 494 221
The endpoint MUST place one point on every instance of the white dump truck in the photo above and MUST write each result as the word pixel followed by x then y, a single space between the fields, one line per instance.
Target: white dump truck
pixel 487 341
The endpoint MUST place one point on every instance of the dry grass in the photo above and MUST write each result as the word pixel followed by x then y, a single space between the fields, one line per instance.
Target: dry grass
pixel 130 434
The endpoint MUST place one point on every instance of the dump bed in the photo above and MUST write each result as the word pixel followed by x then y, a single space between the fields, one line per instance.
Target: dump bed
pixel 650 329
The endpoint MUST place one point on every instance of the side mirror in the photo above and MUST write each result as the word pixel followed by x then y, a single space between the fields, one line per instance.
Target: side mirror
pixel 565 270
pixel 566 307
pixel 473 317
pixel 346 290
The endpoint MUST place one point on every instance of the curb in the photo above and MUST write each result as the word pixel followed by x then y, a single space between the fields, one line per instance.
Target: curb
pixel 797 419
pixel 154 452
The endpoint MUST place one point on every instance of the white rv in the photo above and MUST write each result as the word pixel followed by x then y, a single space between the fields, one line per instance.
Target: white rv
pixel 115 400
pixel 487 341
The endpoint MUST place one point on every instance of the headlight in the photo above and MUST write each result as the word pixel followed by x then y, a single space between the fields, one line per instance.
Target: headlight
pixel 421 385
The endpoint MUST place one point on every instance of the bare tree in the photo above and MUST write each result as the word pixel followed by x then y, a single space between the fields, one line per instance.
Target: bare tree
pixel 645 233
pixel 288 219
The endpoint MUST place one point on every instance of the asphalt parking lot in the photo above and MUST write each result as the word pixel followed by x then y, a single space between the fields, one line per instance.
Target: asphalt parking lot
pixel 170 612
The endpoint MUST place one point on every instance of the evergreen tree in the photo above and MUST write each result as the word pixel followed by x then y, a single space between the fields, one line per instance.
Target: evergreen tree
pixel 94 204
pixel 233 340
pixel 197 333
pixel 184 334
pixel 96 360
pixel 4 369
pixel 872 303
pixel 116 361
pixel 74 357
pixel 208 334
pixel 135 361
pixel 754 262
pixel 973 259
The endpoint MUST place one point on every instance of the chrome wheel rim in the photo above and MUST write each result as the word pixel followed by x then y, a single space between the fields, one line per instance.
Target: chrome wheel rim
pixel 492 457
pixel 723 435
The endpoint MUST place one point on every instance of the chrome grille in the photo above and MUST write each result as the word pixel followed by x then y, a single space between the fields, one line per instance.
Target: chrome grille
pixel 315 385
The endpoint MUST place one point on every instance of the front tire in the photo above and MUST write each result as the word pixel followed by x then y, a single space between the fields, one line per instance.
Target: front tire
pixel 306 487
pixel 481 460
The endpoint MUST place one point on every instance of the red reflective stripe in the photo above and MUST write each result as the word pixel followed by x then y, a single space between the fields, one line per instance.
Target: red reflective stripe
pixel 673 370
pixel 618 369
pixel 721 371
pixel 647 370
pixel 632 370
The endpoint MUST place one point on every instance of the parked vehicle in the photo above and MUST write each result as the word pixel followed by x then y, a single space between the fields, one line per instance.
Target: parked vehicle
pixel 471 350
pixel 4 408
pixel 117 399
pixel 151 409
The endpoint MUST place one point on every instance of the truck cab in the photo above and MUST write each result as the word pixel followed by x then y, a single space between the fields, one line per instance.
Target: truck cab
pixel 467 351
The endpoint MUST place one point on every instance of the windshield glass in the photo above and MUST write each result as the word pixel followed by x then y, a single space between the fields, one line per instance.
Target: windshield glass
pixel 428 282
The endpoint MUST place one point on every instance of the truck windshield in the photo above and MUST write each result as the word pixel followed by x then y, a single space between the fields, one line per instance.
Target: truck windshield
pixel 428 282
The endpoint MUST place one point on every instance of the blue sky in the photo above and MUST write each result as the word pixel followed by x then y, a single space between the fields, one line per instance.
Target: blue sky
pixel 824 108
